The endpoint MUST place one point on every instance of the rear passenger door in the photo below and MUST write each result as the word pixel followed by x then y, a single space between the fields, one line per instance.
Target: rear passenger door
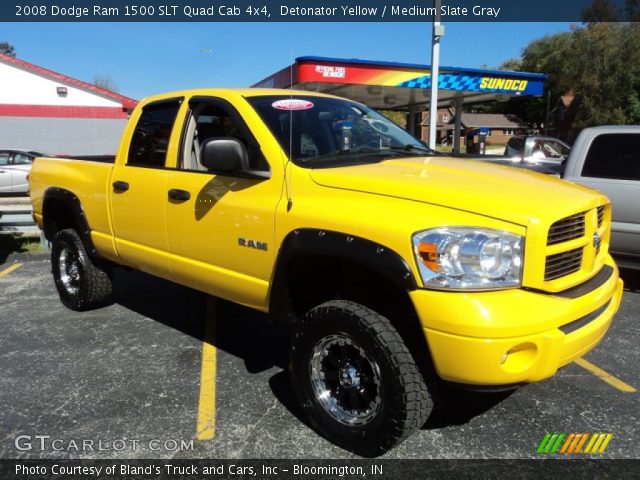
pixel 612 166
pixel 138 187
pixel 20 168
pixel 5 172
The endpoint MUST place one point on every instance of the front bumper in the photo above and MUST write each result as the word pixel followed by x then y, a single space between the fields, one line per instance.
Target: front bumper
pixel 513 336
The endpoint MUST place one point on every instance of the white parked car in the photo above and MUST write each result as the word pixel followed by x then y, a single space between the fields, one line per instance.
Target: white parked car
pixel 15 165
pixel 536 150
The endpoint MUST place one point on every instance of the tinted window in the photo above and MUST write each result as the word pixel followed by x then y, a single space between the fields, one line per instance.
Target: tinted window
pixel 517 144
pixel 151 135
pixel 4 158
pixel 614 155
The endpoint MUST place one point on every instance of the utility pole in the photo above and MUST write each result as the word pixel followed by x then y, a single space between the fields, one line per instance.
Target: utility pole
pixel 437 34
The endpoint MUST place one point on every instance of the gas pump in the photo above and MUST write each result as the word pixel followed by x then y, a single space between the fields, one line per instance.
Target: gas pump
pixel 477 141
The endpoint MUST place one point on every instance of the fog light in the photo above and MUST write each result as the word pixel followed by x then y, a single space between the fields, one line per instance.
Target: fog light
pixel 519 358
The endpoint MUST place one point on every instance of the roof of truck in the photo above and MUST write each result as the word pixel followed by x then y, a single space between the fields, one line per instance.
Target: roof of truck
pixel 243 92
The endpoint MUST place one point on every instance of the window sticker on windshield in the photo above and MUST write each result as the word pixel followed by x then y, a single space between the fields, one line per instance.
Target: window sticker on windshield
pixel 292 104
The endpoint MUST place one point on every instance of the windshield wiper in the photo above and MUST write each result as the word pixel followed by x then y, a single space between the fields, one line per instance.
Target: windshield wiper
pixel 348 151
pixel 356 150
pixel 413 148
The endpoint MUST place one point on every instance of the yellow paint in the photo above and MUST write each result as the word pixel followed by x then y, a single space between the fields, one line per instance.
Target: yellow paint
pixel 195 242
pixel 610 379
pixel 592 440
pixel 607 439
pixel 10 269
pixel 503 84
pixel 206 426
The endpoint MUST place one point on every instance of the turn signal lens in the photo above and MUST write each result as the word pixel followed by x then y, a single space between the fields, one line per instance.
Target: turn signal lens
pixel 429 255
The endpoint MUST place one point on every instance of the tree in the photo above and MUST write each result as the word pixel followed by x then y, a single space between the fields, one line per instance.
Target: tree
pixel 604 72
pixel 7 49
pixel 593 75
pixel 600 11
pixel 513 64
pixel 399 118
pixel 632 10
pixel 106 82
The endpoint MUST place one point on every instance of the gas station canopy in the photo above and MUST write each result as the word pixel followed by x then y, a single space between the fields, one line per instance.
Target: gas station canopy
pixel 402 86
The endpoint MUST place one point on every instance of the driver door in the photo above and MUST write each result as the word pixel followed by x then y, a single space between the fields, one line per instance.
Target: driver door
pixel 220 228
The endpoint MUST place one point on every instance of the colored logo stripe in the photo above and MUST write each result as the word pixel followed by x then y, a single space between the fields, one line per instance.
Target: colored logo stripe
pixel 574 443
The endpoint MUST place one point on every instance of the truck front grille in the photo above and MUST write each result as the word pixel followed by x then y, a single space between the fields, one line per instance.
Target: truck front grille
pixel 566 229
pixel 564 251
pixel 600 215
pixel 562 264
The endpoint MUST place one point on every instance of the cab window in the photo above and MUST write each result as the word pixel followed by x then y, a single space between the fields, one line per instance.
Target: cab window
pixel 613 156
pixel 151 136
pixel 214 118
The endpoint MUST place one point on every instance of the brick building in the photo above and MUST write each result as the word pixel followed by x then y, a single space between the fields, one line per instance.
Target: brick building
pixel 46 111
pixel 501 126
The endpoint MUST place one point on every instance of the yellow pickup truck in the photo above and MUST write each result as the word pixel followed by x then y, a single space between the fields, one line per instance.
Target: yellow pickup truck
pixel 396 268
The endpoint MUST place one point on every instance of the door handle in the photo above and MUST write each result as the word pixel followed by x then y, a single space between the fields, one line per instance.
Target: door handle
pixel 179 195
pixel 120 186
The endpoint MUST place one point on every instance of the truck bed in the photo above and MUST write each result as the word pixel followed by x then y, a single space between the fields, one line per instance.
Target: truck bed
pixel 88 178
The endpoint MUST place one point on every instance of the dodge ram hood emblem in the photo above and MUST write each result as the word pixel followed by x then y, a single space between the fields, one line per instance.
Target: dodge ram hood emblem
pixel 597 241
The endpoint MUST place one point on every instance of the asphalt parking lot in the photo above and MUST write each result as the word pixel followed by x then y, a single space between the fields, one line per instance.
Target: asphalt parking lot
pixel 166 372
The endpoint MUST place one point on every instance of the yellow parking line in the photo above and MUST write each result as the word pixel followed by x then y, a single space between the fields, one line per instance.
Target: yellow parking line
pixel 206 428
pixel 610 379
pixel 10 269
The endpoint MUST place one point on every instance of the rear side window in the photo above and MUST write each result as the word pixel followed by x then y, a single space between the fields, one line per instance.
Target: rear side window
pixel 4 158
pixel 21 159
pixel 150 138
pixel 517 144
pixel 614 155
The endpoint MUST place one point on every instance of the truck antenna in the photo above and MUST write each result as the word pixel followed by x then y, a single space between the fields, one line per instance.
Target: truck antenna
pixel 287 176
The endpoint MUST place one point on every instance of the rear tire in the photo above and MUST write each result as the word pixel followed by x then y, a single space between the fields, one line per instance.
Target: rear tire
pixel 356 379
pixel 82 283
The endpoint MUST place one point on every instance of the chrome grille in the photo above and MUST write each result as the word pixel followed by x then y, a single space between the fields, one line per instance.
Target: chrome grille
pixel 561 264
pixel 600 215
pixel 566 229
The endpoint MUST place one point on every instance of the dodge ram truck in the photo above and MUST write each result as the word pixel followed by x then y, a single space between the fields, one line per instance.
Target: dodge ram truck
pixel 396 269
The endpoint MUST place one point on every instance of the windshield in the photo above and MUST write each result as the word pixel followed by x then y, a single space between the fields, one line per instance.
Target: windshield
pixel 318 132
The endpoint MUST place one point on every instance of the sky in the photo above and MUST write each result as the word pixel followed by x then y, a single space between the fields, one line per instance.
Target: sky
pixel 143 59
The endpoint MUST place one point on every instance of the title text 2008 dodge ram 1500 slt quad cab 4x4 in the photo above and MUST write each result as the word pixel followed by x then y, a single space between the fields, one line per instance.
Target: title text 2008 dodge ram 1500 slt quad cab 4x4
pixel 393 266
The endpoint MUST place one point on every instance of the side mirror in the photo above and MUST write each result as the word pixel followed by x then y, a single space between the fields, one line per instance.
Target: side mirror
pixel 224 155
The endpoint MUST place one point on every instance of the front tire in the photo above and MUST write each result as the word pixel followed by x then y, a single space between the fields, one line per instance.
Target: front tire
pixel 81 283
pixel 356 379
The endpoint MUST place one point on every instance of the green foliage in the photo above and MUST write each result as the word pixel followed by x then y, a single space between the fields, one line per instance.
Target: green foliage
pixel 605 74
pixel 513 64
pixel 600 11
pixel 400 118
pixel 7 49
pixel 599 63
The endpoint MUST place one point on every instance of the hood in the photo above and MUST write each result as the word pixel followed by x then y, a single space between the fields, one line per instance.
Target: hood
pixel 501 192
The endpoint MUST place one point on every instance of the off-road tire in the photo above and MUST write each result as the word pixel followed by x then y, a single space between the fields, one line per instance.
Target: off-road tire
pixel 404 400
pixel 82 284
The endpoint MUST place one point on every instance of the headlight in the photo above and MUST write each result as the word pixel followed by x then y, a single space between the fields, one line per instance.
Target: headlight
pixel 468 258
